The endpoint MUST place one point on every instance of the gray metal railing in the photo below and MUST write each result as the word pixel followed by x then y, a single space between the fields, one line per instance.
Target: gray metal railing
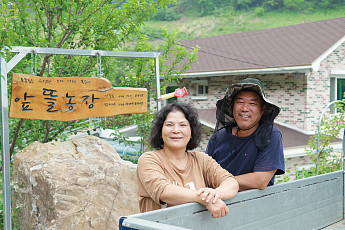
pixel 309 203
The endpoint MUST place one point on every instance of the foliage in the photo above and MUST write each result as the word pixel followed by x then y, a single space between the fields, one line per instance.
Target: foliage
pixel 285 4
pixel 97 24
pixel 167 14
pixel 212 7
pixel 15 217
pixel 227 19
pixel 326 167
pixel 296 5
pixel 328 160
pixel 259 11
pixel 332 126
pixel 282 178
pixel 133 159
pixel 6 15
pixel 200 7
pixel 1 206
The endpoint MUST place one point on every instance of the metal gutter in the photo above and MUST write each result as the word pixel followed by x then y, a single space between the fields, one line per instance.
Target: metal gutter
pixel 304 69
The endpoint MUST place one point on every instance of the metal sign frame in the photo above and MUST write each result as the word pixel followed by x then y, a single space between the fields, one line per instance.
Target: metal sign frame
pixel 6 67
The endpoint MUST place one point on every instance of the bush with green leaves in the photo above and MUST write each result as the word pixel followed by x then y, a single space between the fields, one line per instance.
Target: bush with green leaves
pixel 209 7
pixel 166 15
pixel 328 159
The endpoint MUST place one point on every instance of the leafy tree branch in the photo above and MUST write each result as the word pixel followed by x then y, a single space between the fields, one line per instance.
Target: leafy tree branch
pixel 99 25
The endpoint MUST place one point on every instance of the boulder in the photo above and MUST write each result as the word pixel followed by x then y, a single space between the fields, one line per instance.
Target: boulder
pixel 78 184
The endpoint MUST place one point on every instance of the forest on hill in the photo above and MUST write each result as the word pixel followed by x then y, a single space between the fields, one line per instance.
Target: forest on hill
pixel 206 18
pixel 209 7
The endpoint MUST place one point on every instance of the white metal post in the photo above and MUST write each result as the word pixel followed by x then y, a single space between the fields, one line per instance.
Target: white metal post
pixel 158 83
pixel 5 150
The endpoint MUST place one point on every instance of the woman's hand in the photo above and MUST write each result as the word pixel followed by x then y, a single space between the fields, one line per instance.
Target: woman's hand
pixel 209 194
pixel 218 209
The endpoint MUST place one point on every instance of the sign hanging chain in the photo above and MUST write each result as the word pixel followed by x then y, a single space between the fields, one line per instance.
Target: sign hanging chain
pixel 99 65
pixel 33 61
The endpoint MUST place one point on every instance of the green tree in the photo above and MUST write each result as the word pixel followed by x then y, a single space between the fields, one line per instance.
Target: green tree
pixel 88 24
pixel 174 60
pixel 296 4
pixel 272 4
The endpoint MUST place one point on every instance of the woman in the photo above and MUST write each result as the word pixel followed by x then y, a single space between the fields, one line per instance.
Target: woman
pixel 172 174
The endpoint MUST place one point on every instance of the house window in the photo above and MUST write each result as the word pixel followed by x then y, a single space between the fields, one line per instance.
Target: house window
pixel 337 88
pixel 201 90
pixel 340 88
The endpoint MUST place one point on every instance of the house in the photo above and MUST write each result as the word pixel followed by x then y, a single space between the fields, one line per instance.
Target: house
pixel 302 68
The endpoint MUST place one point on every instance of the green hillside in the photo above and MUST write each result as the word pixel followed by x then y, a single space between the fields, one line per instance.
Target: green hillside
pixel 193 24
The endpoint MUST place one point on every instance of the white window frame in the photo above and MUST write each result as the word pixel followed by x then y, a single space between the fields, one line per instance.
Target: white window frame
pixel 334 76
pixel 199 96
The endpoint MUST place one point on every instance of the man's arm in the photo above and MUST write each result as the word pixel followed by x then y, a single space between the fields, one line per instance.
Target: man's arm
pixel 254 180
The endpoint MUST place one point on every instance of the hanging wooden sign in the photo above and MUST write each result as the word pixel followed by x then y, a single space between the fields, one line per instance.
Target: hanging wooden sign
pixel 72 98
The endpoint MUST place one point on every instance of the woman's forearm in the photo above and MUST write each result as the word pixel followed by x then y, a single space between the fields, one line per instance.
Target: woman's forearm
pixel 174 195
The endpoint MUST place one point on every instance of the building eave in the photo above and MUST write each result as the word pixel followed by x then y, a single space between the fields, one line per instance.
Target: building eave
pixel 207 124
pixel 316 64
pixel 304 69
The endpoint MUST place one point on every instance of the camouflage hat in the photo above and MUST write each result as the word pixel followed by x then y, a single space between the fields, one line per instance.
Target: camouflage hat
pixel 224 113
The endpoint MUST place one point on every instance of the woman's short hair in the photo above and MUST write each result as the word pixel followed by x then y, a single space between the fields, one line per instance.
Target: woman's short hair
pixel 190 114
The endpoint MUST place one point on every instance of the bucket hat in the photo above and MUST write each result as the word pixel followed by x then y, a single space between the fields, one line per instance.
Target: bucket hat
pixel 225 117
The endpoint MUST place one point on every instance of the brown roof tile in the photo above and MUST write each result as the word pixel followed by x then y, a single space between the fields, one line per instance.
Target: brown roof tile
pixel 294 45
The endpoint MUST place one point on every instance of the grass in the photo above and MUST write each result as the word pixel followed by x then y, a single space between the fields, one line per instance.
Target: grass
pixel 192 27
pixel 1 203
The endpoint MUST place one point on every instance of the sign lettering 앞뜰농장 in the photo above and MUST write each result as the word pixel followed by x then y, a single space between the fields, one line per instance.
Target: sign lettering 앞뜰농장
pixel 72 98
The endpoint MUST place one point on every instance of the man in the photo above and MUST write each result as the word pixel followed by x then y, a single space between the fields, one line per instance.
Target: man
pixel 245 141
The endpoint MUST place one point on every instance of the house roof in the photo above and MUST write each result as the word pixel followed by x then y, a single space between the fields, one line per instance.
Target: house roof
pixel 281 47
pixel 291 138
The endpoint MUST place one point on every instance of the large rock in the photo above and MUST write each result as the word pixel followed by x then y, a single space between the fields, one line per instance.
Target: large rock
pixel 78 184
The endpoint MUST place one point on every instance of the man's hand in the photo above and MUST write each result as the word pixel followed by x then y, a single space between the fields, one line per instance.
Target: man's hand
pixel 217 209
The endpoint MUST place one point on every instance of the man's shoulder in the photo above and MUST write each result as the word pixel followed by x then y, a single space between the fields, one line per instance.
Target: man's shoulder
pixel 276 138
pixel 276 130
pixel 222 132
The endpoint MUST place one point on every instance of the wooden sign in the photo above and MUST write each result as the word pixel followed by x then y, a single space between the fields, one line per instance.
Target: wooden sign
pixel 72 98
